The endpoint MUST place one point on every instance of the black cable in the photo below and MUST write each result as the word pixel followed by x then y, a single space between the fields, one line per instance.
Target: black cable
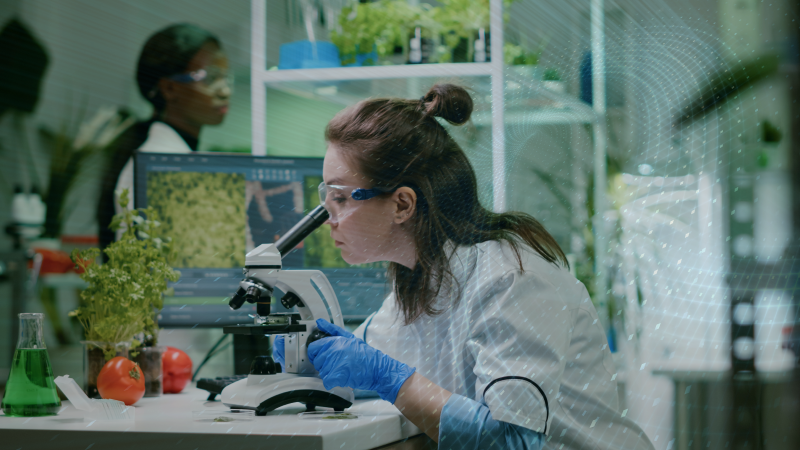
pixel 220 350
pixel 209 355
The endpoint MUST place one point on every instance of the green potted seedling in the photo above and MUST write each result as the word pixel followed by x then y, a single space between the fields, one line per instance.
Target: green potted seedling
pixel 124 294
pixel 552 81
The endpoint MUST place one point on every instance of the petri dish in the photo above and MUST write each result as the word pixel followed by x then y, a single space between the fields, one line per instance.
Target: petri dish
pixel 223 415
pixel 328 415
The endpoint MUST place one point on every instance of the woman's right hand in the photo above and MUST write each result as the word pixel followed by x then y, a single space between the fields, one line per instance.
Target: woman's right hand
pixel 278 353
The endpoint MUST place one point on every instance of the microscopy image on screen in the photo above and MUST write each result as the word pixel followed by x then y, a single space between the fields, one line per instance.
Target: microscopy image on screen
pixel 273 208
pixel 204 214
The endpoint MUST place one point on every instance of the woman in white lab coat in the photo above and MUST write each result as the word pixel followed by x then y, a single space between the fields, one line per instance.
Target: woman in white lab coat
pixel 184 74
pixel 486 338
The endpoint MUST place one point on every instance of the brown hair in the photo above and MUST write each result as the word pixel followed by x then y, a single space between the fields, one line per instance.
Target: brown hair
pixel 396 142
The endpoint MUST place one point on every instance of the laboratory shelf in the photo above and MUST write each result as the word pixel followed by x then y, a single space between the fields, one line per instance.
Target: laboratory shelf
pixel 554 115
pixel 376 72
pixel 526 101
pixel 349 92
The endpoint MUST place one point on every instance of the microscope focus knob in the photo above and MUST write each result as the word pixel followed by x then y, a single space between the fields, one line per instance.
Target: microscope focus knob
pixel 264 365
pixel 315 336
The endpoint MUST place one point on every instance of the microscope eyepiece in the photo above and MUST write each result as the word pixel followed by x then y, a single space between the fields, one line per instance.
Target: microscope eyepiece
pixel 301 230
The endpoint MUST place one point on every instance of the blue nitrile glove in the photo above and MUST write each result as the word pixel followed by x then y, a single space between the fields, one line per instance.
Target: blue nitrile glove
pixel 344 360
pixel 278 352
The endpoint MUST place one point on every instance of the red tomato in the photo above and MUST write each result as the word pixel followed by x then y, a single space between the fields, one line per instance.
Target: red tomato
pixel 177 370
pixel 121 379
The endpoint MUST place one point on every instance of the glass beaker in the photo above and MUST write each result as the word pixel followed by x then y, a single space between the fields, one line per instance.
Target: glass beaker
pixel 30 390
pixel 94 358
pixel 149 360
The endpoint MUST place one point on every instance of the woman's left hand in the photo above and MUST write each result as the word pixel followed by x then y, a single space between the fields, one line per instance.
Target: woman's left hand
pixel 344 360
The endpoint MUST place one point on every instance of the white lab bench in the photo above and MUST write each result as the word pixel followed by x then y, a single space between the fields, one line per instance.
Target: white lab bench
pixel 166 423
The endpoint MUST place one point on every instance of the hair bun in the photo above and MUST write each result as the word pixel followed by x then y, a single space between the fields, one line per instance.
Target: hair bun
pixel 450 102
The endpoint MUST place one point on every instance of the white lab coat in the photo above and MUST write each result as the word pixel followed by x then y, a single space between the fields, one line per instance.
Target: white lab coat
pixel 528 344
pixel 161 138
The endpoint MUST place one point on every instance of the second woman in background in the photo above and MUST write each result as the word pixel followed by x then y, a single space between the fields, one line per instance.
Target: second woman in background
pixel 183 73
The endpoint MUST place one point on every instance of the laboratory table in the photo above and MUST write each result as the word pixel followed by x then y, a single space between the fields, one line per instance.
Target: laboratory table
pixel 166 422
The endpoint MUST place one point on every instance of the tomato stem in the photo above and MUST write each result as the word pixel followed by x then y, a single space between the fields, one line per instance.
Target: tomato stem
pixel 134 373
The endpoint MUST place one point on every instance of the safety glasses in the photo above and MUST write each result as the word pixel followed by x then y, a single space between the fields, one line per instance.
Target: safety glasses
pixel 340 201
pixel 210 78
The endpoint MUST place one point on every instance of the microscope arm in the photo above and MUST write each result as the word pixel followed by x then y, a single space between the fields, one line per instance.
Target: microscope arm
pixel 302 284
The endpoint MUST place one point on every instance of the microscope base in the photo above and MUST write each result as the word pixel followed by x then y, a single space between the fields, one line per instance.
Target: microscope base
pixel 264 393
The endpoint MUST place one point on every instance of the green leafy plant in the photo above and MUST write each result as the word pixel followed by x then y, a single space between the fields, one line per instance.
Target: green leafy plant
pixel 770 133
pixel 552 75
pixel 125 293
pixel 381 26
pixel 516 55
pixel 364 27
pixel 461 20
pixel 387 24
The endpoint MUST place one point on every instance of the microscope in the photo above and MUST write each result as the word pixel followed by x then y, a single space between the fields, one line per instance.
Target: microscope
pixel 267 387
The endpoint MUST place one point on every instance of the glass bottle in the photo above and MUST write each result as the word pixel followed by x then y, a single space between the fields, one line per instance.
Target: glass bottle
pixel 30 390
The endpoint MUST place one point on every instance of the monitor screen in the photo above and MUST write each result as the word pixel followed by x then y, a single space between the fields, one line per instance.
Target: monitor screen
pixel 217 207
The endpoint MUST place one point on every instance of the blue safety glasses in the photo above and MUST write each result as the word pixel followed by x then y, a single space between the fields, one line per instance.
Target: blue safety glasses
pixel 341 201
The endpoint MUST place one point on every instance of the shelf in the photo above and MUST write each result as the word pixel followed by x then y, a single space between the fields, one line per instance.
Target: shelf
pixel 527 102
pixel 377 72
pixel 349 92
pixel 550 116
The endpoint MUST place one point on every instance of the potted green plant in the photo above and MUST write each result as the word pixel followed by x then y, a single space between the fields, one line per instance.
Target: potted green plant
pixel 372 33
pixel 125 293
pixel 365 32
pixel 523 61
pixel 419 22
pixel 516 55
pixel 770 138
pixel 552 81
pixel 461 20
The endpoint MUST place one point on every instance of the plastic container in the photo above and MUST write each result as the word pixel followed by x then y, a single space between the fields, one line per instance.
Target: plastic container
pixel 149 360
pixel 301 55
pixel 94 409
pixel 223 415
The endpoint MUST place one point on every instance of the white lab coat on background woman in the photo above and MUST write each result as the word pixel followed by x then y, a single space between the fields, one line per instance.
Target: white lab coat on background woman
pixel 161 138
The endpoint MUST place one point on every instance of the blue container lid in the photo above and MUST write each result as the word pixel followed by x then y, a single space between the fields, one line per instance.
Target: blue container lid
pixel 300 55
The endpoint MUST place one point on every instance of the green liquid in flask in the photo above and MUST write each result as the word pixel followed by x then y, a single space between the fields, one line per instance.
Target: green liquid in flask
pixel 30 391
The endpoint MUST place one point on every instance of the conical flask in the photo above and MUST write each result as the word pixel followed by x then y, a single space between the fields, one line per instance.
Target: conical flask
pixel 30 390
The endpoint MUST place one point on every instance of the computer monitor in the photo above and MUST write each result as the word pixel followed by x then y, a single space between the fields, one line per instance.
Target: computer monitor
pixel 216 207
